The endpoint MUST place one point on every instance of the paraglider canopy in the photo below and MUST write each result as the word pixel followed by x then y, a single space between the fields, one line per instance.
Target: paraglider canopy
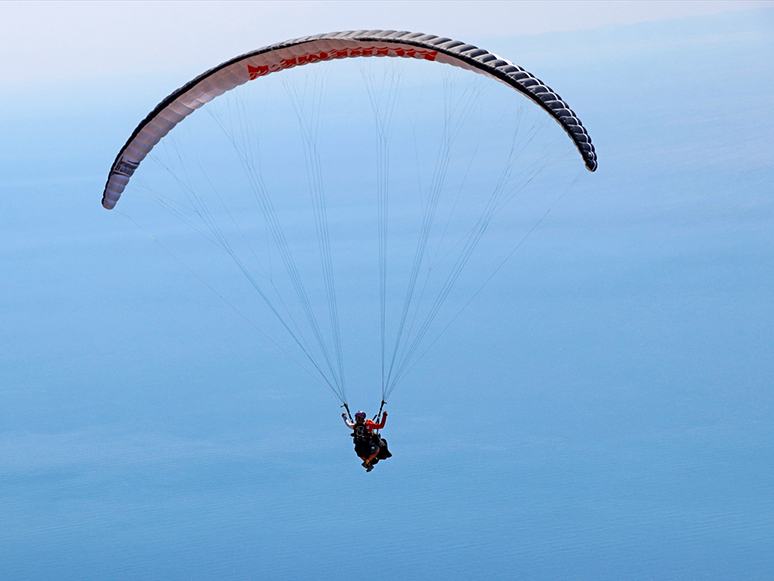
pixel 327 47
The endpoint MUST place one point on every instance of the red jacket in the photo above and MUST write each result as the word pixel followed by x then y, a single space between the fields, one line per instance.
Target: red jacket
pixel 371 425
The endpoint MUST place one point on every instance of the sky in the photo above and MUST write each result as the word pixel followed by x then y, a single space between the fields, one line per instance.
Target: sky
pixel 65 40
pixel 601 410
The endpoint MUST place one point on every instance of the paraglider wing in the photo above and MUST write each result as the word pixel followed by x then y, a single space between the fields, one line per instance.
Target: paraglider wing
pixel 325 47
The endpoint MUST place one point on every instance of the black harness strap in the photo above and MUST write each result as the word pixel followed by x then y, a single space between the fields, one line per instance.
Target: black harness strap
pixel 381 407
pixel 360 432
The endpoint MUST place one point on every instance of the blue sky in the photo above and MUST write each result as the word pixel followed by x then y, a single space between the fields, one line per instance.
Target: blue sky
pixel 603 411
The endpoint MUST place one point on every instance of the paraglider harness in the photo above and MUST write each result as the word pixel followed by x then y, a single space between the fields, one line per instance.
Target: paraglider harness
pixel 360 432
pixel 361 436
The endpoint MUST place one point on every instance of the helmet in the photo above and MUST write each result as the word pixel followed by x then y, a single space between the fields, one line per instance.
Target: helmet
pixel 360 416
